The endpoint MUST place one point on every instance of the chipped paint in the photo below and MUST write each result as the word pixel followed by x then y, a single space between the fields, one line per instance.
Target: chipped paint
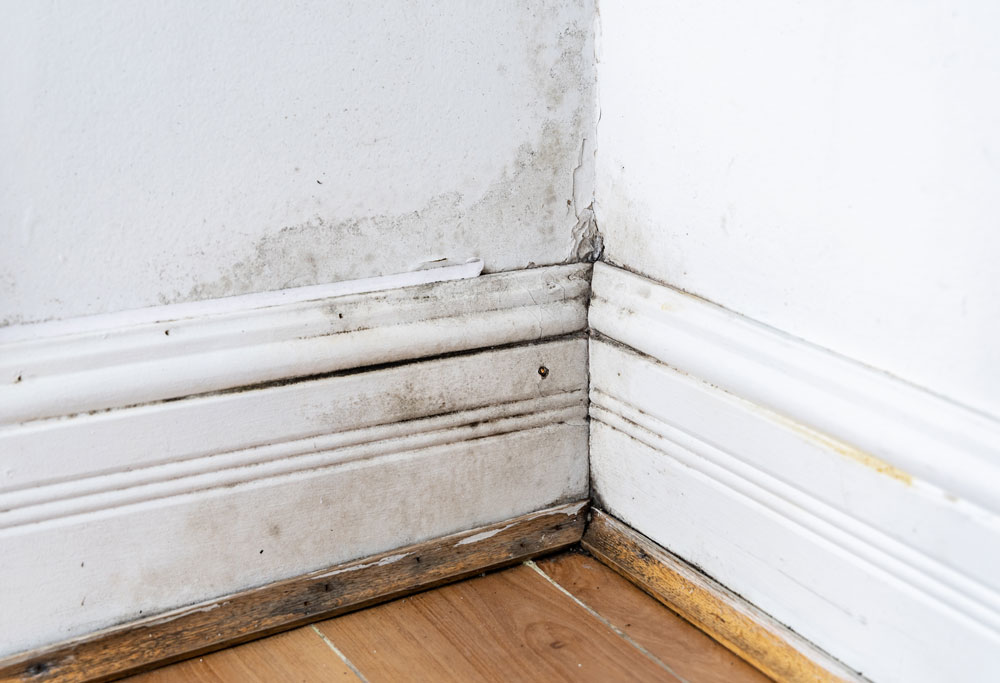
pixel 482 536
pixel 390 559
pixel 569 511
pixel 180 614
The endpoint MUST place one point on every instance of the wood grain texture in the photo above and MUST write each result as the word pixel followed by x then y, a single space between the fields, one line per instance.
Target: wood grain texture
pixel 688 652
pixel 508 626
pixel 745 630
pixel 280 606
pixel 294 657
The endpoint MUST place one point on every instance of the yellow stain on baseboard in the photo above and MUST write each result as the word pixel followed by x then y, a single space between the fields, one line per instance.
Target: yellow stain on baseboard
pixel 829 443
pixel 726 618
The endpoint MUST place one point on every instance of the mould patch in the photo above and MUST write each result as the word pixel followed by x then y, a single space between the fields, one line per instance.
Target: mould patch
pixel 587 238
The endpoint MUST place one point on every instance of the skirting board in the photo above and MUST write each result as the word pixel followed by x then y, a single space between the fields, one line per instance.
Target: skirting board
pixel 908 430
pixel 770 647
pixel 886 572
pixel 321 594
pixel 110 515
pixel 457 442
pixel 199 348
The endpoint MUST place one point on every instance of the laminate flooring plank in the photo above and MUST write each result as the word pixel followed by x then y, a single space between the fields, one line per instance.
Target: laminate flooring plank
pixel 691 654
pixel 297 656
pixel 512 625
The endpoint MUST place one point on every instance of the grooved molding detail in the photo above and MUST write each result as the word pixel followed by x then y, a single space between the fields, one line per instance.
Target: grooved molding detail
pixel 297 440
pixel 807 484
pixel 908 429
pixel 198 353
pixel 262 442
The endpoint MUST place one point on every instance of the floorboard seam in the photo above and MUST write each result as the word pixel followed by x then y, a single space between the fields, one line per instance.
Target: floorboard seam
pixel 621 634
pixel 343 657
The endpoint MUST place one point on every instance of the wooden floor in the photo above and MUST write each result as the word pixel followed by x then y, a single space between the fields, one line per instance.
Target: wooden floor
pixel 566 617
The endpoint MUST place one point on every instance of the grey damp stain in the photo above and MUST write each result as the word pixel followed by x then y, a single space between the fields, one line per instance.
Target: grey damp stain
pixel 521 215
pixel 522 200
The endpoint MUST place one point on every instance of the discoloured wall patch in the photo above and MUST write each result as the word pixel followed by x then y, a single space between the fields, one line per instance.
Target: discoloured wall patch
pixel 521 207
pixel 342 182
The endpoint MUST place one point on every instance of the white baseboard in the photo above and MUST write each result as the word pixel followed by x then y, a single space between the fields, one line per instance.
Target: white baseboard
pixel 207 348
pixel 836 528
pixel 885 419
pixel 110 516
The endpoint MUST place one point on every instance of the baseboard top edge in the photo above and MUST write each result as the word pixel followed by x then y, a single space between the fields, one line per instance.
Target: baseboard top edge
pixel 148 362
pixel 906 426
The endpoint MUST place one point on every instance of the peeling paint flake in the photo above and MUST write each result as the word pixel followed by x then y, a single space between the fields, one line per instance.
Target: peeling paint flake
pixel 389 559
pixel 482 536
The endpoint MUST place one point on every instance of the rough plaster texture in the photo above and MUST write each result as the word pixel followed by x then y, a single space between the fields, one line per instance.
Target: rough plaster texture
pixel 830 169
pixel 159 152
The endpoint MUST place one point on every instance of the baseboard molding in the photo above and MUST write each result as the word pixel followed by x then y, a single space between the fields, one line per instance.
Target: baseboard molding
pixel 888 422
pixel 751 634
pixel 261 442
pixel 209 441
pixel 109 516
pixel 888 573
pixel 233 619
pixel 193 349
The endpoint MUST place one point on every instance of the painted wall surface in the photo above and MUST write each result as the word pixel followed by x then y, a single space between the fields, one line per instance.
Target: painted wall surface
pixel 830 169
pixel 160 152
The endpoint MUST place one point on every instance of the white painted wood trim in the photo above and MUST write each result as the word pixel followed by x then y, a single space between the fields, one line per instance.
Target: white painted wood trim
pixel 78 574
pixel 923 435
pixel 891 574
pixel 147 362
pixel 60 458
pixel 245 488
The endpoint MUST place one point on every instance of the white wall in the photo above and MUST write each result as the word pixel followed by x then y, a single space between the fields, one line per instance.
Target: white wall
pixel 830 169
pixel 160 152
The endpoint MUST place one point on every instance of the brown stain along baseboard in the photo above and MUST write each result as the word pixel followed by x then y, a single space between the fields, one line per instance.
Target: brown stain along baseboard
pixel 746 631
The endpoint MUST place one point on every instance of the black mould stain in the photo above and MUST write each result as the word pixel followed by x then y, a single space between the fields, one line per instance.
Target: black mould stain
pixel 37 669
